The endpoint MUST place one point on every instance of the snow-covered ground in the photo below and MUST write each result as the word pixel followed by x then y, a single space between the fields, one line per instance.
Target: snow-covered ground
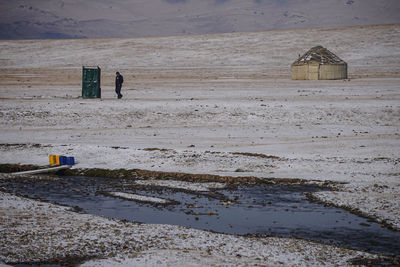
pixel 215 104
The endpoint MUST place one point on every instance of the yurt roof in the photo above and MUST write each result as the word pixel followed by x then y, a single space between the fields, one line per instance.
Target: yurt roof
pixel 320 55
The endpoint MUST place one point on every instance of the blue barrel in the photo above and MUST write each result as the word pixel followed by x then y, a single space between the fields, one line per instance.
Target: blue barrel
pixel 70 161
pixel 63 160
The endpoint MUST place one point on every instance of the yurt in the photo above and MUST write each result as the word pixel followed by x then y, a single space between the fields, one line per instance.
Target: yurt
pixel 319 64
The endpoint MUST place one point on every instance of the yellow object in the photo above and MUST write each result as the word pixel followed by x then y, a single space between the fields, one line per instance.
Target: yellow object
pixel 58 159
pixel 52 159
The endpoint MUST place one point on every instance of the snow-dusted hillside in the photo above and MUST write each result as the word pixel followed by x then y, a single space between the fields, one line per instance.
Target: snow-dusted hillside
pixel 88 18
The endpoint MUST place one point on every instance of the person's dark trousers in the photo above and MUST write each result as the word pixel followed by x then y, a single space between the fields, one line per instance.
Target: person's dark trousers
pixel 118 91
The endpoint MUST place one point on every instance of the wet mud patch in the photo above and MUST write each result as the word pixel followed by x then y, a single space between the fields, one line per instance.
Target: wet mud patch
pixel 66 261
pixel 241 209
pixel 380 261
pixel 19 146
pixel 9 168
pixel 258 155
pixel 160 175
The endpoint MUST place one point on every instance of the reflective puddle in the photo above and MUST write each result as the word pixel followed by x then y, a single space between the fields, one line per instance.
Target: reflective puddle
pixel 272 210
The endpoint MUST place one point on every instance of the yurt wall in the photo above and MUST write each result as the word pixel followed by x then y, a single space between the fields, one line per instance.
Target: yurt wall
pixel 333 72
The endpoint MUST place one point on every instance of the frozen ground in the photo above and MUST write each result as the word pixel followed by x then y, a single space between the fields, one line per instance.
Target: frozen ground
pixel 216 104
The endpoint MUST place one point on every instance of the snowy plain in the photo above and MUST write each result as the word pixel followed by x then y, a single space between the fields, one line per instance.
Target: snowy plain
pixel 214 104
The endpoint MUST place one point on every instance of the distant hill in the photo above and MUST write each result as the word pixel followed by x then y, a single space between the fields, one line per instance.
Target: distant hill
pixel 133 18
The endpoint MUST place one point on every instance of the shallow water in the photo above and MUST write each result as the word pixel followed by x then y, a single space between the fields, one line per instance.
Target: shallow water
pixel 273 210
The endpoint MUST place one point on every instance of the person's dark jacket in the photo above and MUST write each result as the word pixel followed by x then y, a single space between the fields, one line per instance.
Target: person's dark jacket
pixel 119 79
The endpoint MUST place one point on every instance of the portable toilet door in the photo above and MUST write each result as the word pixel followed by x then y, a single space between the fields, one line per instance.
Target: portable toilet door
pixel 91 82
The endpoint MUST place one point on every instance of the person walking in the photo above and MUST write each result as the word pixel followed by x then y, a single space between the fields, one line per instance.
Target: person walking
pixel 119 79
